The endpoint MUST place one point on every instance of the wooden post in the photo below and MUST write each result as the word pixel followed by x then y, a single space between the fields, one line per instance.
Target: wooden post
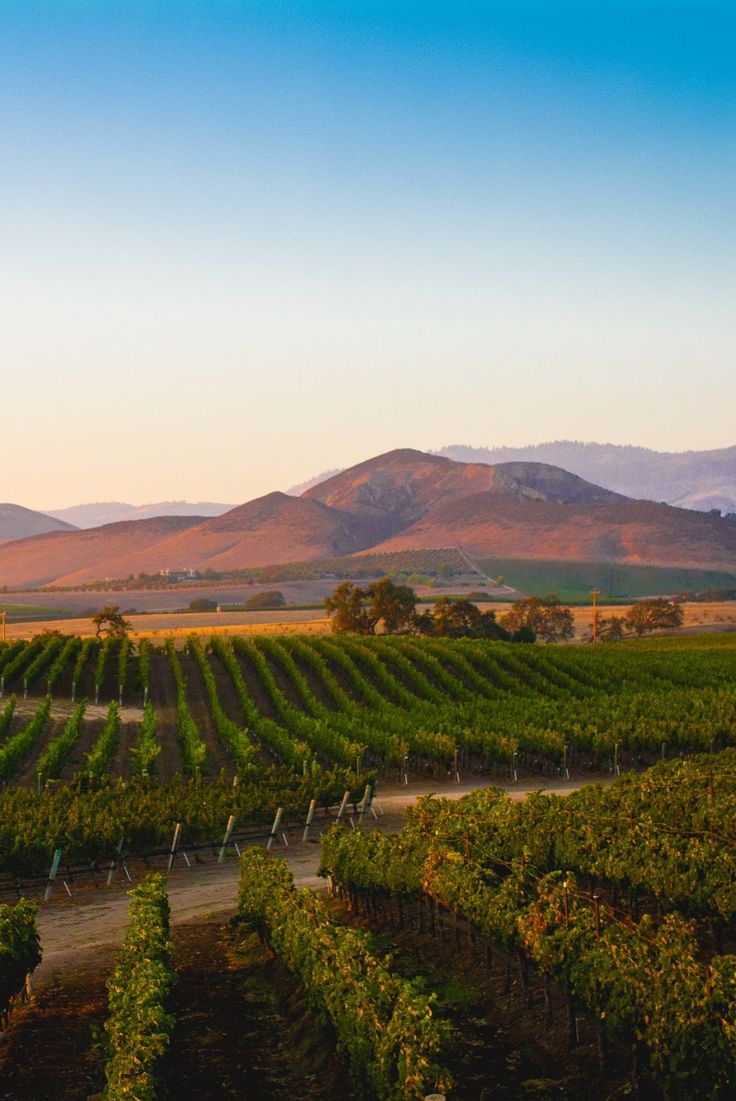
pixel 112 862
pixel 308 823
pixel 226 838
pixel 274 828
pixel 174 843
pixel 594 593
pixel 343 805
pixel 52 876
pixel 364 803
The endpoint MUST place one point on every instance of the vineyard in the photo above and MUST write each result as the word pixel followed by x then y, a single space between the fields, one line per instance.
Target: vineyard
pixel 98 742
pixel 621 899
pixel 228 707
pixel 598 925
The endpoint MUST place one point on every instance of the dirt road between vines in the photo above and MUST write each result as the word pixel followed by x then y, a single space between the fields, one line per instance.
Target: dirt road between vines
pixel 94 921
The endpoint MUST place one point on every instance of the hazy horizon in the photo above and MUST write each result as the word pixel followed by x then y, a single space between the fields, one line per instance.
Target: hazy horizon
pixel 320 475
pixel 246 243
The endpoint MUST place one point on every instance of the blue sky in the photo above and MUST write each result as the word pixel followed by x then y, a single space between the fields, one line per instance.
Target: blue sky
pixel 245 242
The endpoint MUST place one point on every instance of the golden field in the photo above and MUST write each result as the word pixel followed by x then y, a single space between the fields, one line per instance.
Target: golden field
pixel 720 616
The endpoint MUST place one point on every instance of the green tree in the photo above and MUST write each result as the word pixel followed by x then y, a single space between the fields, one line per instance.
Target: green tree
pixel 360 611
pixel 390 605
pixel 544 615
pixel 461 619
pixel 272 598
pixel 610 628
pixel 111 622
pixel 651 615
pixel 455 618
pixel 202 604
pixel 347 610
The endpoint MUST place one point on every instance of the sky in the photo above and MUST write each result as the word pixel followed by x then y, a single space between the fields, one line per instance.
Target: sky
pixel 245 242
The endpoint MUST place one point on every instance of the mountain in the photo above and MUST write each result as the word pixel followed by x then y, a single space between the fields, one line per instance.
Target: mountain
pixel 402 500
pixel 395 490
pixel 700 480
pixel 113 512
pixel 17 522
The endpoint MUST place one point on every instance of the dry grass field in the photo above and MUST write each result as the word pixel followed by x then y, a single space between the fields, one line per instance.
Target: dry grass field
pixel 163 624
pixel 698 617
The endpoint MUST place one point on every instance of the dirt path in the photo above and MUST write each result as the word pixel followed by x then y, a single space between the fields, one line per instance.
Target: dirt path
pixel 62 709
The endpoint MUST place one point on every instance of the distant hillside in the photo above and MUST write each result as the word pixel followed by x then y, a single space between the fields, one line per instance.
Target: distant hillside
pixel 17 522
pixel 114 550
pixel 297 491
pixel 699 480
pixel 573 581
pixel 115 512
pixel 639 532
pixel 404 500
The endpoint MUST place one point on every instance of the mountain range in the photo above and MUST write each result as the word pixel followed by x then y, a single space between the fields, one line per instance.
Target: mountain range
pixel 402 500
pixel 112 512
pixel 700 480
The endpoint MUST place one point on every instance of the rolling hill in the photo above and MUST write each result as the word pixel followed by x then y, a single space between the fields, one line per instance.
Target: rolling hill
pixel 17 522
pixel 403 500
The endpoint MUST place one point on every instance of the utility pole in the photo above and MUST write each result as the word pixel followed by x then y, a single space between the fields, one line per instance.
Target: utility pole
pixel 594 593
pixel 4 615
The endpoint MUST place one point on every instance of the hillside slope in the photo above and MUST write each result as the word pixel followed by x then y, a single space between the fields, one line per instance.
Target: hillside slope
pixel 67 557
pixel 617 531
